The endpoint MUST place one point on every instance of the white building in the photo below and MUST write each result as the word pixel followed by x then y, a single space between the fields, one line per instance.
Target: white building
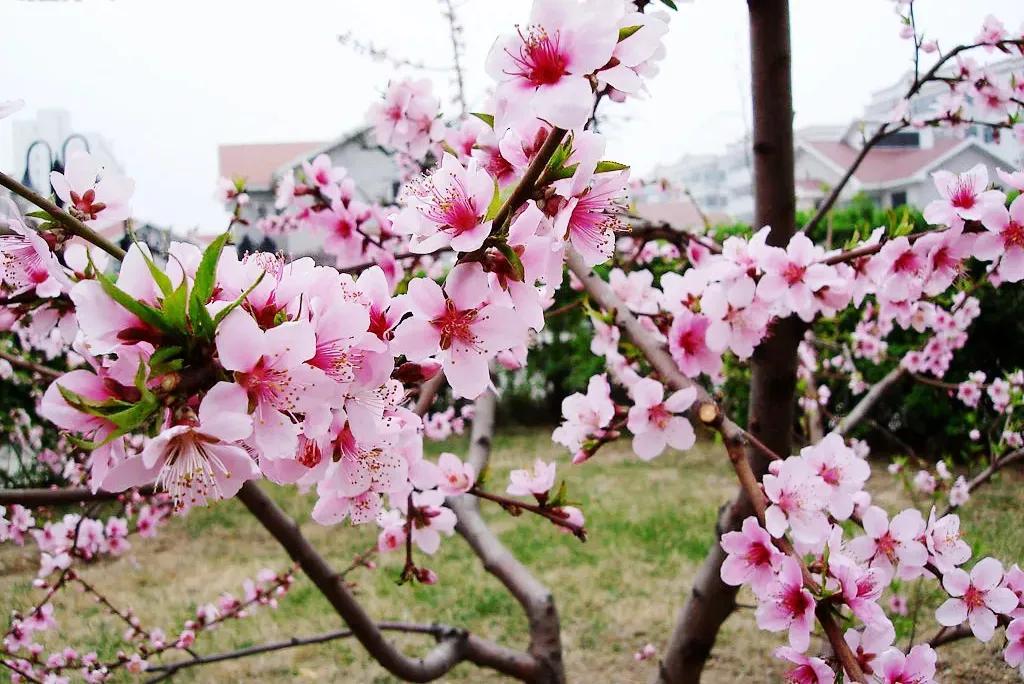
pixel 375 174
pixel 895 172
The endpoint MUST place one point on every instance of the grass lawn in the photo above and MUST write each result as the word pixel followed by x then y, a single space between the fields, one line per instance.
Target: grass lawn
pixel 650 525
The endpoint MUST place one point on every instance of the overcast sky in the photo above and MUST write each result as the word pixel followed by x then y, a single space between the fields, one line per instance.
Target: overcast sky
pixel 168 81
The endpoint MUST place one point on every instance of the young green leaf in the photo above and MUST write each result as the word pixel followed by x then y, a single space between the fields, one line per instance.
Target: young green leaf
pixel 206 274
pixel 486 118
pixel 626 31
pixel 222 314
pixel 144 312
pixel 608 166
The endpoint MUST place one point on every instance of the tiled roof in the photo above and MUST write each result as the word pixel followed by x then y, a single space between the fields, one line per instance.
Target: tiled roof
pixel 884 164
pixel 257 162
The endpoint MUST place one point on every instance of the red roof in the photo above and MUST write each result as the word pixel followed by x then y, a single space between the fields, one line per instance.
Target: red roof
pixel 258 162
pixel 885 164
pixel 680 214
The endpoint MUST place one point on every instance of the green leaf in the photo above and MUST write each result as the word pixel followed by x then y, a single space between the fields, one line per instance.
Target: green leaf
pixel 175 304
pixel 144 312
pixel 513 260
pixel 206 274
pixel 495 206
pixel 41 215
pixel 561 496
pixel 608 166
pixel 199 317
pixel 671 4
pixel 564 172
pixel 222 314
pixel 486 118
pixel 626 31
pixel 159 277
pixel 133 417
pixel 163 355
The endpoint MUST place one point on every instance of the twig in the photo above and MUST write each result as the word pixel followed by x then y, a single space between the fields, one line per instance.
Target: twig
pixel 71 224
pixel 28 365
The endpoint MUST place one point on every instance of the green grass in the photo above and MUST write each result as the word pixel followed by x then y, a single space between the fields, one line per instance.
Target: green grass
pixel 650 525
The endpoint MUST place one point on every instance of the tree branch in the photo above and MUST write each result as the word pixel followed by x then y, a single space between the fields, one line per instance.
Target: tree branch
pixel 25 364
pixel 859 412
pixel 456 646
pixel 71 224
pixel 536 599
pixel 986 474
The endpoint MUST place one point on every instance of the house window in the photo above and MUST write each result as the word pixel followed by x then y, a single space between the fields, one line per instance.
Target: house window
pixel 902 139
pixel 899 198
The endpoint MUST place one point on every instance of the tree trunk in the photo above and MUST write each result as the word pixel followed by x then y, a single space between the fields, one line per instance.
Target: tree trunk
pixel 773 376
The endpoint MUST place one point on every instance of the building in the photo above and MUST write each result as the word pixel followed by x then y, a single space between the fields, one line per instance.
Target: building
pixel 374 171
pixel 896 171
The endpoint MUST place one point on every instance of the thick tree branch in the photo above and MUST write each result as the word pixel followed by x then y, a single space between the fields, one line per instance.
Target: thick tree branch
pixel 863 407
pixel 536 600
pixel 986 474
pixel 457 646
pixel 35 498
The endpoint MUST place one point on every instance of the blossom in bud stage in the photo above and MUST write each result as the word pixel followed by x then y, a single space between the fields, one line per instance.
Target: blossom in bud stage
pixel 97 197
pixel 653 419
pixel 646 652
pixel 537 482
pixel 976 598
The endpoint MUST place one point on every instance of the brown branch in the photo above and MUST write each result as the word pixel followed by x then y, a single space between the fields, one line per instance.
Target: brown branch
pixel 516 505
pixel 859 412
pixel 986 474
pixel 428 391
pixel 457 646
pixel 71 224
pixel 536 599
pixel 25 364
pixel 524 189
pixel 170 669
pixel 36 498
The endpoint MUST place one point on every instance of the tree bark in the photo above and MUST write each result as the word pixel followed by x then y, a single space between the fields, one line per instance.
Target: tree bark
pixel 536 599
pixel 773 366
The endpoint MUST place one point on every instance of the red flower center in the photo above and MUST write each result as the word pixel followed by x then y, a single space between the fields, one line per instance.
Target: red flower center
pixel 1013 235
pixel 456 325
pixel 541 59
pixel 963 196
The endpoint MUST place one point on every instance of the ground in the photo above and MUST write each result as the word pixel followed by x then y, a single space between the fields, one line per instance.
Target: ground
pixel 650 525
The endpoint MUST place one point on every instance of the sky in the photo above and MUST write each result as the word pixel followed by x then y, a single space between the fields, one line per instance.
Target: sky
pixel 167 81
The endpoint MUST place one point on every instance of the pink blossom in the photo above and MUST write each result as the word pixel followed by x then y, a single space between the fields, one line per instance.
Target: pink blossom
pixel 26 262
pixel 798 497
pixel 786 605
pixel 963 197
pixel 1014 179
pixel 808 670
pixel 269 366
pixel 590 219
pixel 199 461
pixel 892 546
pixel 458 325
pixel 646 652
pixel 537 482
pixel 585 415
pixel 544 67
pixel 636 289
pixel 841 469
pixel 654 422
pixel 793 275
pixel 456 477
pixel 447 208
pixel 430 520
pixel 1014 653
pixel 752 557
pixel 861 588
pixel 98 197
pixel 688 344
pixel 976 598
pixel 1004 239
pixel 946 547
pixel 868 643
pixel 924 482
pixel 916 667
